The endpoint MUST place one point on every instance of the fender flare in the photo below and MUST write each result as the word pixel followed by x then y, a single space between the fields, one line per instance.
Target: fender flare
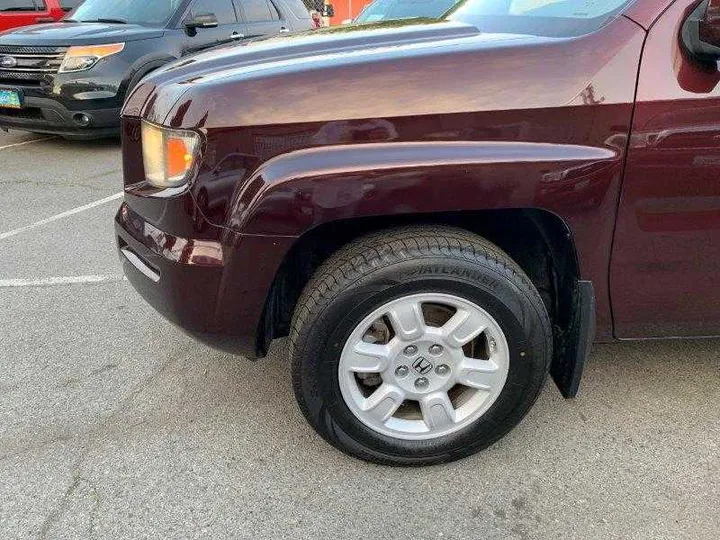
pixel 295 192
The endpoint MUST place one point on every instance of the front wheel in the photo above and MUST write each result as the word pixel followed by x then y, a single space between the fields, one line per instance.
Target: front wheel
pixel 419 345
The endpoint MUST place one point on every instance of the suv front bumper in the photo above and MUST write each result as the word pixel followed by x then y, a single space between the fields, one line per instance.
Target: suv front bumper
pixel 47 115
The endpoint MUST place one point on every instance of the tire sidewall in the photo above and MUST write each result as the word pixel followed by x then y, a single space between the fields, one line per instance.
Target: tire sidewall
pixel 483 285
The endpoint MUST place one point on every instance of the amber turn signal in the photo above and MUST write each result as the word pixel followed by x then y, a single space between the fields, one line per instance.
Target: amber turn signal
pixel 169 155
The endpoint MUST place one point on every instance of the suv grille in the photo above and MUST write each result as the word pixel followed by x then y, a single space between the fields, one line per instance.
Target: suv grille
pixel 31 64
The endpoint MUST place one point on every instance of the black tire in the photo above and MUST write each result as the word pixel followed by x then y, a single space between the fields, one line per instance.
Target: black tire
pixel 390 264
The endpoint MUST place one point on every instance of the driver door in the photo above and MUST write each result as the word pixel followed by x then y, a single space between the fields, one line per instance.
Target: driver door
pixel 229 27
pixel 666 256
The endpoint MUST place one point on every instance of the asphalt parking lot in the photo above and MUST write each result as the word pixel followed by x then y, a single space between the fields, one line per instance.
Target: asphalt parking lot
pixel 114 424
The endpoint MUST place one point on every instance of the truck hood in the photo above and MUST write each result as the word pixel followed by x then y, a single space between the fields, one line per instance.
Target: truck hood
pixel 306 46
pixel 280 57
pixel 351 73
pixel 68 34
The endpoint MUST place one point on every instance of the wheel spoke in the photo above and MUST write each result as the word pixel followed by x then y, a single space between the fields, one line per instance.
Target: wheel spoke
pixel 463 327
pixel 384 401
pixel 480 374
pixel 407 320
pixel 368 358
pixel 437 410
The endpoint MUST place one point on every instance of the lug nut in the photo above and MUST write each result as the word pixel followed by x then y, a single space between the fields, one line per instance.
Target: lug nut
pixel 492 346
pixel 410 350
pixel 436 349
pixel 402 371
pixel 421 383
pixel 442 369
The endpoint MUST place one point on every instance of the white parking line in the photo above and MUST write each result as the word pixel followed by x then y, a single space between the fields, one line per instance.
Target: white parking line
pixel 47 282
pixel 72 212
pixel 25 142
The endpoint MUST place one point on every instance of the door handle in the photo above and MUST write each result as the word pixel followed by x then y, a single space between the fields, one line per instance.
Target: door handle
pixel 44 20
pixel 284 30
pixel 237 35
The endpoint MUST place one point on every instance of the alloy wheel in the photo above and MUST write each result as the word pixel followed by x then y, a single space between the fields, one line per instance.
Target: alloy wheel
pixel 423 366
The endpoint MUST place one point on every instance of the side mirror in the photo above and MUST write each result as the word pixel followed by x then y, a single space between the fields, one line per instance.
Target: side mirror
pixel 204 20
pixel 701 32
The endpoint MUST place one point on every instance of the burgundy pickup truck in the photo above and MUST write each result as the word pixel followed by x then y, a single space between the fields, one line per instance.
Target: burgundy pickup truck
pixel 438 213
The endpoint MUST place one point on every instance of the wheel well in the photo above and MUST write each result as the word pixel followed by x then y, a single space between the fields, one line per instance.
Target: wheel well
pixel 538 240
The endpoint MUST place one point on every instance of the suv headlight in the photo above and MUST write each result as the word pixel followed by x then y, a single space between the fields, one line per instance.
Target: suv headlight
pixel 169 155
pixel 82 58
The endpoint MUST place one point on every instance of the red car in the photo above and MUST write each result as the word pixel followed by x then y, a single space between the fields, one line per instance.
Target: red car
pixel 437 213
pixel 16 13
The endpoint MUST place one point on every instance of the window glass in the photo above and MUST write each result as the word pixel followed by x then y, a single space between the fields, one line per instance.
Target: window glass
pixel 256 10
pixel 17 5
pixel 561 18
pixel 222 9
pixel 274 11
pixel 67 5
pixel 382 10
pixel 579 9
pixel 298 8
pixel 143 12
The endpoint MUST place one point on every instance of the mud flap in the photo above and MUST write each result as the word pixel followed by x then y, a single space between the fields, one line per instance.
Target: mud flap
pixel 567 368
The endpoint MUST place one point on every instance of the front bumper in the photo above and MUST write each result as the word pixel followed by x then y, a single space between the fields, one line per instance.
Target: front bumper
pixel 53 102
pixel 47 115
pixel 215 290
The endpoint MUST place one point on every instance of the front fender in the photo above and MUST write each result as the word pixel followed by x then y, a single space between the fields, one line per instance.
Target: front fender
pixel 143 66
pixel 297 191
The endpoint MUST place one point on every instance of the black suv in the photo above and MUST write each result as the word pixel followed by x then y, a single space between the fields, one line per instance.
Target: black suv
pixel 71 78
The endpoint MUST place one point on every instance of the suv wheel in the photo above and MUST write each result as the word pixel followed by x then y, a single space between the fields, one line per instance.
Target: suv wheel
pixel 419 345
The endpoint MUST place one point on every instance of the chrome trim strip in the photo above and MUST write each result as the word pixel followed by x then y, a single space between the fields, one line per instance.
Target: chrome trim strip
pixel 138 263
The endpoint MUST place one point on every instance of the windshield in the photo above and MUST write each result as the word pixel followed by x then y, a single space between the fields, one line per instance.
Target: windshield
pixel 386 10
pixel 554 18
pixel 143 12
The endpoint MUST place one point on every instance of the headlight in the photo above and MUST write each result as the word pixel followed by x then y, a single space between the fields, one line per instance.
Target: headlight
pixel 82 58
pixel 169 155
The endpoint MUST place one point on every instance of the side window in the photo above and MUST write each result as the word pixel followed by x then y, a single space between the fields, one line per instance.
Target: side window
pixel 274 11
pixel 69 5
pixel 259 11
pixel 222 9
pixel 18 5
